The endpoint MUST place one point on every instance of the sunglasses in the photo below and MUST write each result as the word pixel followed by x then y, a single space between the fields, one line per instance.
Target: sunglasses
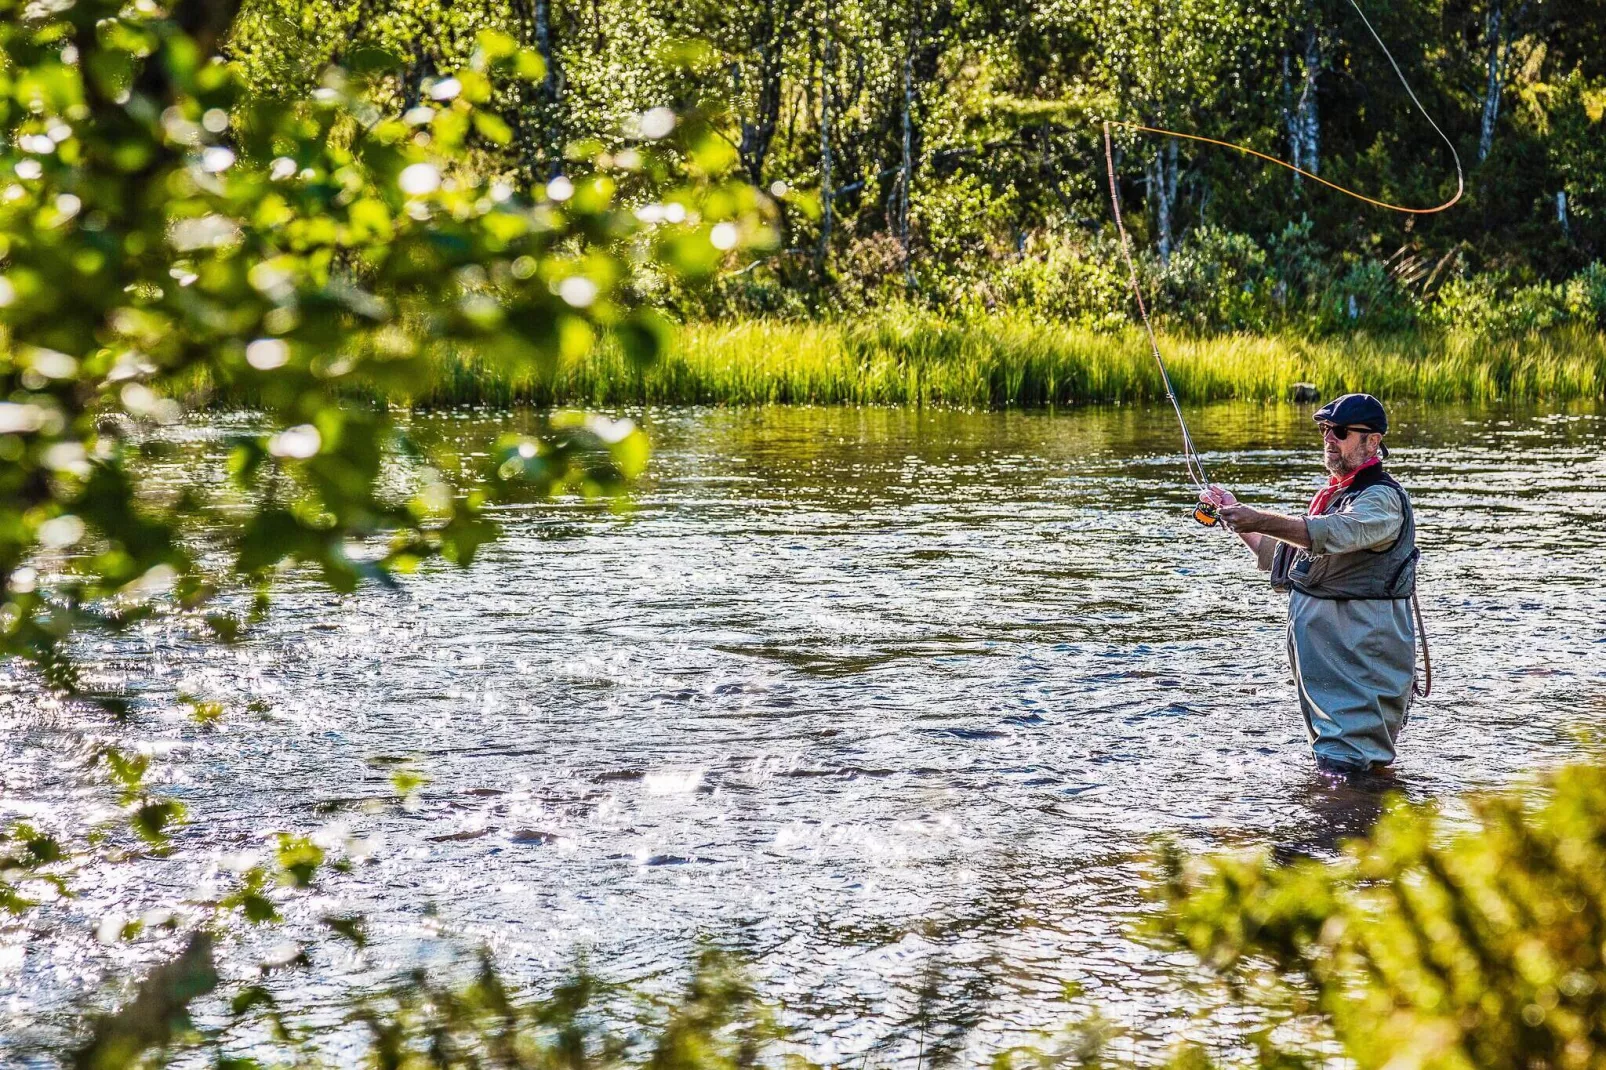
pixel 1340 433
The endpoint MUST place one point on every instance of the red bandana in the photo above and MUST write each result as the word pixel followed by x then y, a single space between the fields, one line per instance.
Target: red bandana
pixel 1334 485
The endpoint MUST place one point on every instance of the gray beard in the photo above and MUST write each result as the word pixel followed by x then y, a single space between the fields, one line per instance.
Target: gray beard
pixel 1337 467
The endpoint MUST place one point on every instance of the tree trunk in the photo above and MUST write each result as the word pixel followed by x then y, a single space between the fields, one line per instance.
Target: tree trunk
pixel 759 132
pixel 826 66
pixel 1495 82
pixel 361 18
pixel 207 21
pixel 543 151
pixel 1289 122
pixel 1310 118
pixel 551 88
pixel 1301 117
pixel 414 75
pixel 908 160
pixel 1163 182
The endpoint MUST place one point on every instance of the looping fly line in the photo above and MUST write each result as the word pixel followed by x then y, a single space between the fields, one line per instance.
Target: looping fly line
pixel 1191 459
pixel 1247 151
pixel 1460 181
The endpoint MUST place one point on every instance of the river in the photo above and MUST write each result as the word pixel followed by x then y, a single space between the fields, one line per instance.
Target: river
pixel 894 701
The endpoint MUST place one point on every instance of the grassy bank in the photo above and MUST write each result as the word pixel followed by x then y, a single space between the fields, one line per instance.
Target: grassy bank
pixel 1012 361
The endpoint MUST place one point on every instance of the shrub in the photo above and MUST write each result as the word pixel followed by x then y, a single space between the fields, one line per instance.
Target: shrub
pixel 1300 265
pixel 1585 296
pixel 1432 943
pixel 1479 305
pixel 1365 297
pixel 1077 282
pixel 961 220
pixel 1217 280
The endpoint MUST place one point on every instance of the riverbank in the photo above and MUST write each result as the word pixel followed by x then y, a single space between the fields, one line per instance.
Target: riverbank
pixel 1010 361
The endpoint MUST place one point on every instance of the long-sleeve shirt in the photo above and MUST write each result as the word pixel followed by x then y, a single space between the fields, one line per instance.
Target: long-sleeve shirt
pixel 1371 521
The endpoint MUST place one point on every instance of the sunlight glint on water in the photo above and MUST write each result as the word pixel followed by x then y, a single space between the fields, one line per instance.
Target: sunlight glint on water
pixel 894 701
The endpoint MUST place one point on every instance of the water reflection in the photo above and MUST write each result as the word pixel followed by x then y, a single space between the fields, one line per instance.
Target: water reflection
pixel 1338 807
pixel 896 701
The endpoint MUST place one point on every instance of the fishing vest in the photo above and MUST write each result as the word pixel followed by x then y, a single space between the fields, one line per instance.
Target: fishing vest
pixel 1387 573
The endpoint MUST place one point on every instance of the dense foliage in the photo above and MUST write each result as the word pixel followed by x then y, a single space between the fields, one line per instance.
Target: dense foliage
pixel 1432 943
pixel 424 1021
pixel 954 145
pixel 165 233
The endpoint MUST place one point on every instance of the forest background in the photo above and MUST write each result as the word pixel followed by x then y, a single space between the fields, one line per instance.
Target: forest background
pixel 946 154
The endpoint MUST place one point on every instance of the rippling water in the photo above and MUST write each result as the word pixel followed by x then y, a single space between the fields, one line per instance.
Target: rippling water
pixel 894 701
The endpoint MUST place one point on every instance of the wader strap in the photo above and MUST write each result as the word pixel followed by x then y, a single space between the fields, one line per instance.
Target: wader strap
pixel 1426 687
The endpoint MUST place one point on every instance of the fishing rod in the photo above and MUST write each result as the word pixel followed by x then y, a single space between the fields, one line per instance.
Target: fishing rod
pixel 1207 513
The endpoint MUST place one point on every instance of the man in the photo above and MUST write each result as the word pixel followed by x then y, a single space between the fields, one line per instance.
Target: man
pixel 1349 569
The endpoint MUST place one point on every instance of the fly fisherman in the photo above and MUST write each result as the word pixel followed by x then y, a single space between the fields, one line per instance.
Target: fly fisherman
pixel 1349 569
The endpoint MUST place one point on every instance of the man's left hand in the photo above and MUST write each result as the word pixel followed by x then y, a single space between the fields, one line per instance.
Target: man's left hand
pixel 1241 517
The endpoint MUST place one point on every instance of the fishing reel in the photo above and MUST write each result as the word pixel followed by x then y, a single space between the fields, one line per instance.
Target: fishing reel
pixel 1207 514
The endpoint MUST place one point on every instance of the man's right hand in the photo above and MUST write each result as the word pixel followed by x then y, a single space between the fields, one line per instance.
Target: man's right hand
pixel 1217 496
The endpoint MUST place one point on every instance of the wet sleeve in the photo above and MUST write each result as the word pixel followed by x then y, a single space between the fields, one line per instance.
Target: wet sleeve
pixel 1263 553
pixel 1370 522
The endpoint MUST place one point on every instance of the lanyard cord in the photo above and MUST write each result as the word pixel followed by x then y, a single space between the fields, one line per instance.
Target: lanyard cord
pixel 1425 687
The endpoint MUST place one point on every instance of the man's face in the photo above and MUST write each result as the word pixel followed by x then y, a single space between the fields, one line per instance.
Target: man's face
pixel 1343 456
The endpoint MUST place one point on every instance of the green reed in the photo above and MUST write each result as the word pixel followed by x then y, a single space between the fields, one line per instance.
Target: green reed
pixel 911 358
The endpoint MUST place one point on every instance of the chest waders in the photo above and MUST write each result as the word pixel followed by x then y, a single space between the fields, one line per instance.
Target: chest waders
pixel 1385 574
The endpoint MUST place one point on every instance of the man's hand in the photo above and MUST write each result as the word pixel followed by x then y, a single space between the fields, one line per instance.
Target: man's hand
pixel 1227 507
pixel 1250 523
pixel 1247 520
pixel 1239 517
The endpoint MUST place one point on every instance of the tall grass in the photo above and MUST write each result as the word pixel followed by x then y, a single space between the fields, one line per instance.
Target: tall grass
pixel 913 358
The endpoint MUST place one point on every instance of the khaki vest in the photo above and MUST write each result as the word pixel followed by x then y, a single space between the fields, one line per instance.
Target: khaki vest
pixel 1387 573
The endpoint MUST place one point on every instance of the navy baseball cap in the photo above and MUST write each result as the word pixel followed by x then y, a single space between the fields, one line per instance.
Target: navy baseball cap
pixel 1354 410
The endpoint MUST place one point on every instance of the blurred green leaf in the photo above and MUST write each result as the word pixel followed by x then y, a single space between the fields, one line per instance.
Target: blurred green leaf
pixel 351 927
pixel 158 1011
pixel 299 859
pixel 407 783
pixel 251 898
pixel 153 819
pixel 1471 945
